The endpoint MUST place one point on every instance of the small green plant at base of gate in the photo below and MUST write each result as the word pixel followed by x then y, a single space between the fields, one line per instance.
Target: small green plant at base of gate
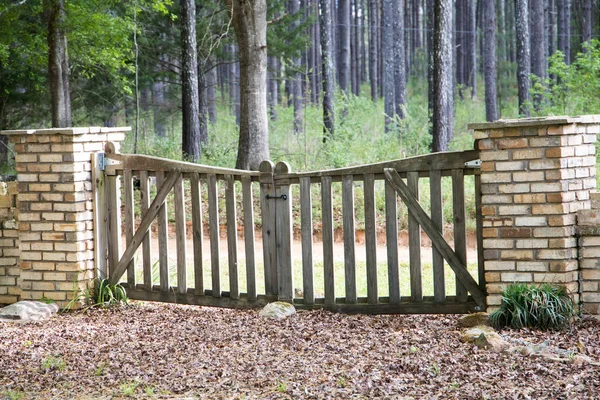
pixel 529 306
pixel 51 363
pixel 102 293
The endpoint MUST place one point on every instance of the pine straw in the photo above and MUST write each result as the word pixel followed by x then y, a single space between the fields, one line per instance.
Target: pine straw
pixel 169 351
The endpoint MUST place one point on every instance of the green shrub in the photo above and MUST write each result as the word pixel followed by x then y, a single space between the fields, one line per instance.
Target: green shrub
pixel 103 293
pixel 542 307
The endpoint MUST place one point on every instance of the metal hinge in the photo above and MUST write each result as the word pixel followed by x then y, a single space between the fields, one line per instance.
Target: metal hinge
pixel 473 164
pixel 104 161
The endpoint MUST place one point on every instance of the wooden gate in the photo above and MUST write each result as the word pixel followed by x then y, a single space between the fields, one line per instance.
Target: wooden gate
pixel 273 266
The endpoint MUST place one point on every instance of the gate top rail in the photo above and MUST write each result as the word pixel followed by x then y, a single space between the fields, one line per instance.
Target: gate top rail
pixel 444 161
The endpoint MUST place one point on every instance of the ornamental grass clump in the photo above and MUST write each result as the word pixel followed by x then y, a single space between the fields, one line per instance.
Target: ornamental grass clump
pixel 528 306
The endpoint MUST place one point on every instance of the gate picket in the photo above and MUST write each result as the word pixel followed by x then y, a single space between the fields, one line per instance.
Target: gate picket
pixel 213 220
pixel 414 243
pixel 163 238
pixel 435 183
pixel 349 237
pixel 197 234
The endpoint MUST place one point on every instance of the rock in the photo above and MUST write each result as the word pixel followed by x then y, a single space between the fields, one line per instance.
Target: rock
pixel 278 310
pixel 475 319
pixel 484 337
pixel 27 311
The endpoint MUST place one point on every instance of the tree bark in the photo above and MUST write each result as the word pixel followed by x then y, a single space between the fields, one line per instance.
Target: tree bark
pixel 249 18
pixel 430 81
pixel 538 39
pixel 211 96
pixel 471 62
pixel 399 55
pixel 363 46
pixel 58 64
pixel 489 56
pixel 442 76
pixel 343 36
pixel 388 54
pixel 191 135
pixel 327 69
pixel 273 87
pixel 564 27
pixel 523 55
pixel 296 78
pixel 586 30
pixel 373 59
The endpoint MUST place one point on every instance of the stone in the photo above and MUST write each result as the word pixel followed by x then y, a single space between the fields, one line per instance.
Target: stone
pixel 27 311
pixel 475 319
pixel 484 337
pixel 278 310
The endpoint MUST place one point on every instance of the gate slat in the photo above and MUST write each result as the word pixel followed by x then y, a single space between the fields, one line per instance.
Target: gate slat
pixel 414 243
pixel 129 222
pixel 435 188
pixel 307 240
pixel 163 238
pixel 267 188
pixel 248 205
pixel 479 226
pixel 283 235
pixel 460 232
pixel 371 238
pixel 232 250
pixel 197 234
pixel 391 234
pixel 114 223
pixel 213 220
pixel 349 237
pixel 146 243
pixel 180 237
pixel 327 223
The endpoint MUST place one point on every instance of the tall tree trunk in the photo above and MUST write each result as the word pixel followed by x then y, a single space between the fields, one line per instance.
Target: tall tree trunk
pixel 363 43
pixel 343 40
pixel 471 59
pixel 190 141
pixel 460 46
pixel 373 49
pixel 388 54
pixel 250 22
pixel 399 54
pixel 430 61
pixel 296 77
pixel 538 44
pixel 355 50
pixel 551 27
pixel 273 87
pixel 564 28
pixel 328 74
pixel 380 48
pixel 586 31
pixel 442 76
pixel 211 86
pixel 202 103
pixel 523 55
pixel 489 56
pixel 58 64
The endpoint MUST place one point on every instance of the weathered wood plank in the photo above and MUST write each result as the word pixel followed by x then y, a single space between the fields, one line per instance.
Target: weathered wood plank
pixel 180 236
pixel 129 217
pixel 146 242
pixel 197 233
pixel 391 235
pixel 437 239
pixel 267 207
pixel 371 239
pixel 248 204
pixel 414 244
pixel 100 219
pixel 479 227
pixel 232 250
pixel 283 223
pixel 349 237
pixel 327 226
pixel 307 240
pixel 213 221
pixel 113 209
pixel 145 225
pixel 460 231
pixel 163 239
pixel 435 189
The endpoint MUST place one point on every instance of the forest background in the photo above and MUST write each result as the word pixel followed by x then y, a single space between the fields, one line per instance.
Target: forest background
pixel 317 83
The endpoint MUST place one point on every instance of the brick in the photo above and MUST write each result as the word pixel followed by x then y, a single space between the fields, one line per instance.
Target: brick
pixel 527 154
pixel 38 187
pixel 557 152
pixel 516 254
pixel 563 231
pixel 531 221
pixel 55 276
pixel 548 163
pixel 514 210
pixel 530 198
pixel 496 199
pixel 514 188
pixel 591 297
pixel 31 276
pixel 589 241
pixel 488 210
pixel 50 178
pixel 42 286
pixel 506 232
pixel 496 178
pixel 531 243
pixel 547 187
pixel 590 252
pixel 564 266
pixel 497 244
pixel 499 265
pixel 561 220
pixel 516 277
pixel 511 143
pixel 545 142
pixel 493 155
pixel 549 209
pixel 489 232
pixel 51 158
pixel 53 216
pixel 56 296
pixel 560 197
pixel 562 243
pixel 51 256
pixel 530 176
pixel 510 166
pixel 557 254
pixel 590 274
pixel 532 266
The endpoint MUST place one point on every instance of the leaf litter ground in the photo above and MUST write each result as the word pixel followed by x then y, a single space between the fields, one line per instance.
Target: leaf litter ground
pixel 173 351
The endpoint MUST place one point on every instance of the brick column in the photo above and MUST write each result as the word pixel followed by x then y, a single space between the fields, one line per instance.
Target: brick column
pixel 535 175
pixel 588 222
pixel 54 203
pixel 10 289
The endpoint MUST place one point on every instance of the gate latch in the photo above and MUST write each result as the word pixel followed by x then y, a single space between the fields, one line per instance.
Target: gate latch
pixel 282 197
pixel 473 164
pixel 104 161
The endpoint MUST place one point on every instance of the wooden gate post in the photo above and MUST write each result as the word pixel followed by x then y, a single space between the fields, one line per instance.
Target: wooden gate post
pixel 267 189
pixel 55 203
pixel 283 232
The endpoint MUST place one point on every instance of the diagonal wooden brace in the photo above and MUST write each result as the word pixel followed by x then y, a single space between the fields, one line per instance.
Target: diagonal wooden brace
pixel 434 234
pixel 147 219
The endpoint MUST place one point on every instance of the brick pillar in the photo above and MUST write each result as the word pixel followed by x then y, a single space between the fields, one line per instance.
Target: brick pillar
pixel 54 203
pixel 588 222
pixel 10 289
pixel 535 175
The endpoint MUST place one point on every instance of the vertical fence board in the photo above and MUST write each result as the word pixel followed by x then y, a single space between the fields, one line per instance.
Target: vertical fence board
pixel 129 221
pixel 460 233
pixel 163 238
pixel 248 205
pixel 479 227
pixel 197 234
pixel 391 235
pixel 232 251
pixel 414 243
pixel 180 236
pixel 213 220
pixel 113 208
pixel 327 223
pixel 371 239
pixel 146 243
pixel 283 227
pixel 267 188
pixel 100 219
pixel 307 240
pixel 437 217
pixel 349 237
